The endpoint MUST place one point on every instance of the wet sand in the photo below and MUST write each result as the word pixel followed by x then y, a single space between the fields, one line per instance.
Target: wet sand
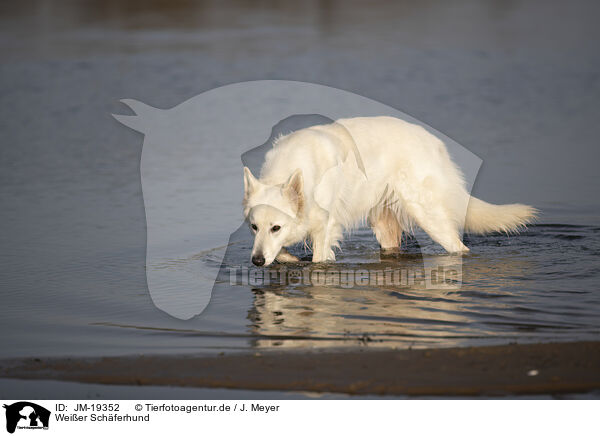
pixel 552 368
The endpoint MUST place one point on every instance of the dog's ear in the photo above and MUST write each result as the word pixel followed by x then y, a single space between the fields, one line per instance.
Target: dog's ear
pixel 294 190
pixel 250 183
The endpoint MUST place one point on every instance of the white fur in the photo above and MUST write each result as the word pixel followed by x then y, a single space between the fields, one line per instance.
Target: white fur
pixel 317 182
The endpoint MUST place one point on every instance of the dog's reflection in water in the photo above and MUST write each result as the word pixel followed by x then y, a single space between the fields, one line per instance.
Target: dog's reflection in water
pixel 404 298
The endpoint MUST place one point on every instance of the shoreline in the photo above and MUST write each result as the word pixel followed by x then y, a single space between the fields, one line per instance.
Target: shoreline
pixel 516 369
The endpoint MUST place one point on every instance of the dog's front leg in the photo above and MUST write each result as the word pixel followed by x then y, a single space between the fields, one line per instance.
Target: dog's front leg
pixel 322 251
pixel 323 244
pixel 284 256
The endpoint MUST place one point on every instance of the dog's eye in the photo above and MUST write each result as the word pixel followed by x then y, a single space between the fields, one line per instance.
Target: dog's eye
pixel 275 228
pixel 254 227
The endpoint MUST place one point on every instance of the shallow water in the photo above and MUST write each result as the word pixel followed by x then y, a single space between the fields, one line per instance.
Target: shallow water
pixel 72 280
pixel 537 286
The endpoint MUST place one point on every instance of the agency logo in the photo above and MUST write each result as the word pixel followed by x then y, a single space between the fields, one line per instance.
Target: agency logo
pixel 192 183
pixel 26 415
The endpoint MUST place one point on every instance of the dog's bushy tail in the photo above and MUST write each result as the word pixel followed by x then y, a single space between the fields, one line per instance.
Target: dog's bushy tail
pixel 484 217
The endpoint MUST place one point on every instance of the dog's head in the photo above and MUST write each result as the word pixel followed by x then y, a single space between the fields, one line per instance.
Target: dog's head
pixel 273 213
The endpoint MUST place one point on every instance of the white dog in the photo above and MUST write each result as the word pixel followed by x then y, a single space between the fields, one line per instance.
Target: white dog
pixel 319 181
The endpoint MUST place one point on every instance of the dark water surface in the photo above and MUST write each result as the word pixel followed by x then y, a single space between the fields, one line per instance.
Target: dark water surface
pixel 517 83
pixel 537 286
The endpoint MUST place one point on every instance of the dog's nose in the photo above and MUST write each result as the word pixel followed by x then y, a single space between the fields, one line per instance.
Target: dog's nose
pixel 258 260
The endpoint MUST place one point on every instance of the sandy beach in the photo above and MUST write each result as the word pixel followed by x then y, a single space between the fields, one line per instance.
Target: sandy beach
pixel 507 370
pixel 515 83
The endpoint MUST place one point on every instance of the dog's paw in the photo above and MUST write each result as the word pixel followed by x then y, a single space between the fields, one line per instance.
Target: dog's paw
pixel 327 256
pixel 285 257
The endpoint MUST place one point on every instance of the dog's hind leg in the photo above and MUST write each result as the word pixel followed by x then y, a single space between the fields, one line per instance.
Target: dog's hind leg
pixel 436 222
pixel 387 229
pixel 424 203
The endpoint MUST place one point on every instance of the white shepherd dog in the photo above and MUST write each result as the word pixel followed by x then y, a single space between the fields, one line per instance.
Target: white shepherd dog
pixel 319 181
